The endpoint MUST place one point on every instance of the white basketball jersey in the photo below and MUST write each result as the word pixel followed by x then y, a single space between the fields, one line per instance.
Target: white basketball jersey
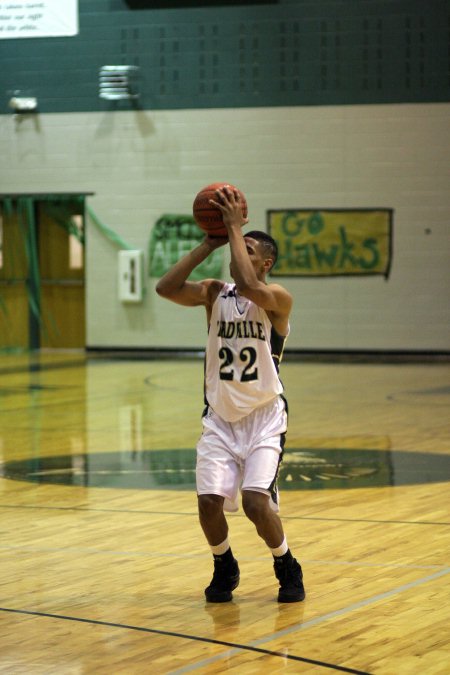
pixel 242 356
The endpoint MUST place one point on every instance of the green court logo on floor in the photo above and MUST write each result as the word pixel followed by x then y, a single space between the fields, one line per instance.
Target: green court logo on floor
pixel 301 469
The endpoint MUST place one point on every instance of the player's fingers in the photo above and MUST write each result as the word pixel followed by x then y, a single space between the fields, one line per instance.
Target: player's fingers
pixel 220 196
pixel 232 194
pixel 214 203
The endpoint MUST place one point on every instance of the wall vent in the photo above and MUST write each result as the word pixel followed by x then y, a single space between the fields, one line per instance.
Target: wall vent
pixel 118 82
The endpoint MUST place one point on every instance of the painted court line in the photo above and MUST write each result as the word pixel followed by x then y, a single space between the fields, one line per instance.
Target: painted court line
pixel 315 622
pixel 184 636
pixel 89 509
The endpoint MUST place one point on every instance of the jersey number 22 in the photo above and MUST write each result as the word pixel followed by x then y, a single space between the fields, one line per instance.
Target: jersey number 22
pixel 247 355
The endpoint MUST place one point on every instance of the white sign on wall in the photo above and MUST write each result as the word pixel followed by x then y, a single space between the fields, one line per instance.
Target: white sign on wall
pixel 48 18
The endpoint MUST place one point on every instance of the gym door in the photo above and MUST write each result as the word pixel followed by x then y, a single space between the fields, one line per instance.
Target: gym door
pixel 42 290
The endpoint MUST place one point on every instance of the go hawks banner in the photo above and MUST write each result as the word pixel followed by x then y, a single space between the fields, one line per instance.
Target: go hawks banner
pixel 172 237
pixel 326 242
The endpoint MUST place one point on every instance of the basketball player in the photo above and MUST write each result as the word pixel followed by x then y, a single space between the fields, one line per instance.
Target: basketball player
pixel 245 419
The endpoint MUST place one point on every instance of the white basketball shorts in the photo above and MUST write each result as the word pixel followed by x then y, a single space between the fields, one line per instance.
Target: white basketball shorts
pixel 242 455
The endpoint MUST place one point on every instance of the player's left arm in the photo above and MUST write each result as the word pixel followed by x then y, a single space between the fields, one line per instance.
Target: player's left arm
pixel 174 284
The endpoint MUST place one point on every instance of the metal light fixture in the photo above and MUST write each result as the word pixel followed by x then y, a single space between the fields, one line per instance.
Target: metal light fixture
pixel 23 104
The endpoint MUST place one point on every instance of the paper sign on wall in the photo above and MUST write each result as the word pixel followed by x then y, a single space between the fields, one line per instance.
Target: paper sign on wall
pixel 48 18
pixel 327 242
pixel 174 235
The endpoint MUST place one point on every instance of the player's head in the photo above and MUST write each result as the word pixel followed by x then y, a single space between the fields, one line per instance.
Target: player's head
pixel 268 247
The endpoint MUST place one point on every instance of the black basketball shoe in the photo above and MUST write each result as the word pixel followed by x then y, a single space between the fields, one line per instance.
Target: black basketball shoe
pixel 225 579
pixel 289 574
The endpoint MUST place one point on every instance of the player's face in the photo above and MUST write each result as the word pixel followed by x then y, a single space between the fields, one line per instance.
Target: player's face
pixel 257 258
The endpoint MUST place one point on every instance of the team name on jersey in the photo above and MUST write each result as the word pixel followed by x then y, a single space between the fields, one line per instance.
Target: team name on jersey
pixel 240 329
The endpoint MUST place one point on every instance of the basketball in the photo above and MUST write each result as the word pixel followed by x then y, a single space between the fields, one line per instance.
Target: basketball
pixel 207 216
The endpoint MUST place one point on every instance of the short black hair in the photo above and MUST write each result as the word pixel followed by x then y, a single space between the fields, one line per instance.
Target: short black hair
pixel 270 246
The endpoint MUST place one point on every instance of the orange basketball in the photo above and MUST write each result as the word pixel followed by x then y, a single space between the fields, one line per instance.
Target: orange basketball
pixel 207 216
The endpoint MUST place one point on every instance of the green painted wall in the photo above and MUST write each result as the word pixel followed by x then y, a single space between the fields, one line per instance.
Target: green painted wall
pixel 212 54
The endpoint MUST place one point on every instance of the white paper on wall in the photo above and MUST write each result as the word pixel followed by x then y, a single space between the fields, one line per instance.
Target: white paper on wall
pixel 47 18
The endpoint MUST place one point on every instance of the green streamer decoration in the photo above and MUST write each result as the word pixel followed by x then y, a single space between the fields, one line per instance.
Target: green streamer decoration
pixel 8 206
pixel 62 215
pixel 7 212
pixel 25 214
pixel 107 232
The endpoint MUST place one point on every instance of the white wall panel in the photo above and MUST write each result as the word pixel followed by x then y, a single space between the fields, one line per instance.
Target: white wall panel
pixel 143 164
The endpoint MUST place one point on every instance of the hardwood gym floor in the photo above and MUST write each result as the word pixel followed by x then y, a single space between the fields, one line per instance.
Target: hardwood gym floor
pixel 103 562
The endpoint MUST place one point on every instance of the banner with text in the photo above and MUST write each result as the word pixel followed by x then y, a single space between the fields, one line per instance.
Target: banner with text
pixel 332 242
pixel 172 237
pixel 48 18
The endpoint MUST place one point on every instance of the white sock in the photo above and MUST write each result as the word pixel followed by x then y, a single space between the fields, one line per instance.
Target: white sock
pixel 220 549
pixel 280 550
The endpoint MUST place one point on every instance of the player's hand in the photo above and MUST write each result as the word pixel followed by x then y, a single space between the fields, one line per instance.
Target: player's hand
pixel 229 203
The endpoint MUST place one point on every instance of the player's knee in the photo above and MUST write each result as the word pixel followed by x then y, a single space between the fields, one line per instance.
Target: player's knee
pixel 255 505
pixel 209 506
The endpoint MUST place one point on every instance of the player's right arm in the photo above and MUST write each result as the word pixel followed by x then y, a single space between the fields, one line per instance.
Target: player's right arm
pixel 174 285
